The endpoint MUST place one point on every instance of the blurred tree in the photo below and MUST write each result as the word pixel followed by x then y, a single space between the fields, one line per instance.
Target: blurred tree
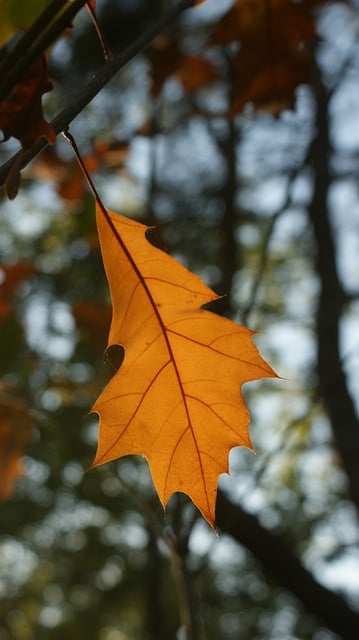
pixel 265 209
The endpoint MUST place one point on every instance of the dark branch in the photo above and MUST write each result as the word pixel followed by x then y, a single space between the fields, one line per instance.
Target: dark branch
pixel 41 40
pixel 279 562
pixel 332 301
pixel 29 37
pixel 227 145
pixel 62 121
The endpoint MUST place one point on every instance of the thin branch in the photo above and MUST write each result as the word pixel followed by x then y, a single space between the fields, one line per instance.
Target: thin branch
pixel 100 34
pixel 45 39
pixel 227 145
pixel 102 77
pixel 29 37
pixel 331 304
pixel 177 559
pixel 263 258
pixel 181 581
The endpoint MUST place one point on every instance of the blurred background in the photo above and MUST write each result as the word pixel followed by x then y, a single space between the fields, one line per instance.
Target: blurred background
pixel 237 134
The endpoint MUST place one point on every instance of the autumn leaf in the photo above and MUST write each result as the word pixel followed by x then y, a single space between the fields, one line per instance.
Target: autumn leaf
pixel 67 174
pixel 271 61
pixel 21 114
pixel 15 434
pixel 93 320
pixel 167 61
pixel 21 117
pixel 11 276
pixel 195 72
pixel 176 398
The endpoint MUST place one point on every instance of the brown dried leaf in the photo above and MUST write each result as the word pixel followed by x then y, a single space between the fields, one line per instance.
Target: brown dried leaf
pixel 272 60
pixel 21 114
pixel 11 276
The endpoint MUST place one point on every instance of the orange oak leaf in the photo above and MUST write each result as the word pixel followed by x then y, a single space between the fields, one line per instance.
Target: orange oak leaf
pixel 176 397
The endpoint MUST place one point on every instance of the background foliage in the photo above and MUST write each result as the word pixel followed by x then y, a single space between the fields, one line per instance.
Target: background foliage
pixel 265 209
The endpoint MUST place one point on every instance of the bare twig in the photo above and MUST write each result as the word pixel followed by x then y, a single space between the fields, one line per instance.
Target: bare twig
pixel 175 555
pixel 331 304
pixel 263 258
pixel 181 582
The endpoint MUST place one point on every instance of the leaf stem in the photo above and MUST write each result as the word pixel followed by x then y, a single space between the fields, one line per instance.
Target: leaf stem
pixel 107 54
pixel 71 140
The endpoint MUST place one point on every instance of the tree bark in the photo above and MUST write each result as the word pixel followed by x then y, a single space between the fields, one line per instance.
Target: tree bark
pixel 331 377
pixel 273 551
